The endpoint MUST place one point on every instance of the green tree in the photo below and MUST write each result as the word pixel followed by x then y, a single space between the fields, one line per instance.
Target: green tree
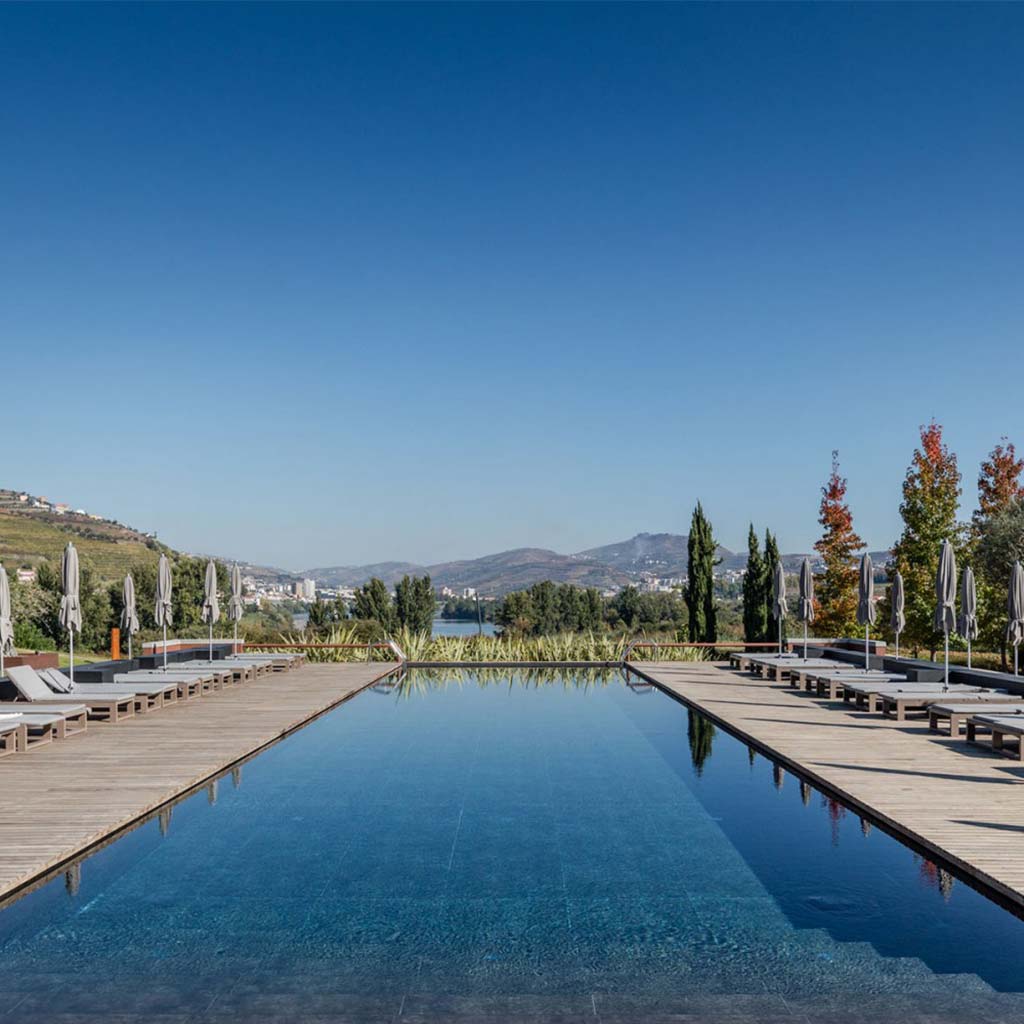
pixel 373 602
pixel 931 495
pixel 771 559
pixel 755 622
pixel 627 605
pixel 515 612
pixel 95 602
pixel 700 583
pixel 415 603
pixel 999 544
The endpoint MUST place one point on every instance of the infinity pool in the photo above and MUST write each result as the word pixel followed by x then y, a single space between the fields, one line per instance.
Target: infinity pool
pixel 510 847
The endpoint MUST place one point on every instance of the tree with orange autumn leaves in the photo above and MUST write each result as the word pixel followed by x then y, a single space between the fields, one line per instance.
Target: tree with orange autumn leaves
pixel 836 585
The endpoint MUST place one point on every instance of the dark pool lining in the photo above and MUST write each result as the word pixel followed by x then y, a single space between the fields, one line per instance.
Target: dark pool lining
pixel 1011 904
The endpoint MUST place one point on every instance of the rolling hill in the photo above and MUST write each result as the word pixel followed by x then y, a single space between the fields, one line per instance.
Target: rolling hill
pixel 27 537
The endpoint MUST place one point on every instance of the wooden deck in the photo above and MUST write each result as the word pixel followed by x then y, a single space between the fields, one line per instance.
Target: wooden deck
pixel 60 800
pixel 961 802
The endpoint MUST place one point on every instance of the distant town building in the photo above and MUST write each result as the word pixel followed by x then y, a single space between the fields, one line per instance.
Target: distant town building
pixel 468 592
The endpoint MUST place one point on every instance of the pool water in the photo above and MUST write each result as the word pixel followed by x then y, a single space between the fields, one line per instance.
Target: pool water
pixel 509 847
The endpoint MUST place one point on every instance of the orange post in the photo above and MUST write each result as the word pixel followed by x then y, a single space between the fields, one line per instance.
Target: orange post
pixel 115 644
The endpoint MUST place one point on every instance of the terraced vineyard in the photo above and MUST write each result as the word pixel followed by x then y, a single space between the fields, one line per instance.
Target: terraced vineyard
pixel 27 539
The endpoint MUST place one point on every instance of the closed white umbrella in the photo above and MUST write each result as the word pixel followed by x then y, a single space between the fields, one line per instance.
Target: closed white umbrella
pixel 1015 611
pixel 866 610
pixel 6 627
pixel 70 615
pixel 806 598
pixel 235 608
pixel 211 606
pixel 779 607
pixel 129 613
pixel 898 619
pixel 945 599
pixel 967 622
pixel 162 609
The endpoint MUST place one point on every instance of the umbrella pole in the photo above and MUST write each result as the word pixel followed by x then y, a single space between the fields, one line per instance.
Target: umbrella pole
pixel 805 639
pixel 129 646
pixel 234 646
pixel 165 646
pixel 867 657
pixel 1014 659
pixel 211 639
pixel 945 683
pixel 897 645
pixel 780 636
pixel 968 650
pixel 71 651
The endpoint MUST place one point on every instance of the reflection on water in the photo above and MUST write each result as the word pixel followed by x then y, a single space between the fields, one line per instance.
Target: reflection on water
pixel 700 732
pixel 533 839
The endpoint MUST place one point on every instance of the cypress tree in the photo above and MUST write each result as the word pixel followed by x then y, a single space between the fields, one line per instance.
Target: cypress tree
pixel 771 559
pixel 700 583
pixel 755 623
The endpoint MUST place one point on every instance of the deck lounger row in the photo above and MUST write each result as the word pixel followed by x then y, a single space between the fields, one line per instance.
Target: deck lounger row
pixel 68 719
pixel 836 685
pixel 104 703
pixel 811 678
pixel 148 695
pixel 956 713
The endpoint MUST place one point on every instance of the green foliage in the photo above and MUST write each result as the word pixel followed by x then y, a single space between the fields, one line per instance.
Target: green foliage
pixel 95 602
pixel 374 602
pixel 700 584
pixel 415 603
pixel 931 494
pixel 755 587
pixel 465 609
pixel 1000 542
pixel 771 559
pixel 547 608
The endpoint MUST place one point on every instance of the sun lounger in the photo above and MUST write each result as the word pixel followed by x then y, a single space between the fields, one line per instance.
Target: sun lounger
pixel 832 685
pixel 73 717
pixel 900 703
pixel 807 677
pixel 264 662
pixel 206 680
pixel 12 734
pixel 233 672
pixel 178 688
pixel 148 696
pixel 871 694
pixel 104 703
pixel 956 713
pixel 1000 727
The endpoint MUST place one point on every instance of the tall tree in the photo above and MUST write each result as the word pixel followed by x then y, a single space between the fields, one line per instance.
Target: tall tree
pixel 999 481
pixel 755 624
pixel 700 583
pixel 373 602
pixel 931 495
pixel 415 603
pixel 771 559
pixel 836 586
pixel 999 501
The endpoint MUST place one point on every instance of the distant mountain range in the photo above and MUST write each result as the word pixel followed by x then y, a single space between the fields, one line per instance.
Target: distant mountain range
pixel 610 566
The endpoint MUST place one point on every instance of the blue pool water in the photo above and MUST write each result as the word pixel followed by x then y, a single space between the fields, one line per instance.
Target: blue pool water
pixel 504 847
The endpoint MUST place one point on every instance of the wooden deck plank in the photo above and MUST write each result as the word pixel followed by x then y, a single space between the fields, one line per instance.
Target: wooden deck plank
pixel 963 803
pixel 60 800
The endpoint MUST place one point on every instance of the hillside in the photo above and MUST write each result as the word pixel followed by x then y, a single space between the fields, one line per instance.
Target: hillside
pixel 29 536
pixel 662 554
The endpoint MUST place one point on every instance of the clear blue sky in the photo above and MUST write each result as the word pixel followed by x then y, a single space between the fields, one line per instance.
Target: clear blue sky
pixel 320 285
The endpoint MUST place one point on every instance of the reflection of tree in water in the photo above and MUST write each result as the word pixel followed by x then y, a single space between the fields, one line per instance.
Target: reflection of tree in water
pixel 700 732
pixel 836 813
pixel 932 874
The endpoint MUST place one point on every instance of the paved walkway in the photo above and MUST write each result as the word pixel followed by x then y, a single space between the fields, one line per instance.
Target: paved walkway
pixel 959 801
pixel 64 797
